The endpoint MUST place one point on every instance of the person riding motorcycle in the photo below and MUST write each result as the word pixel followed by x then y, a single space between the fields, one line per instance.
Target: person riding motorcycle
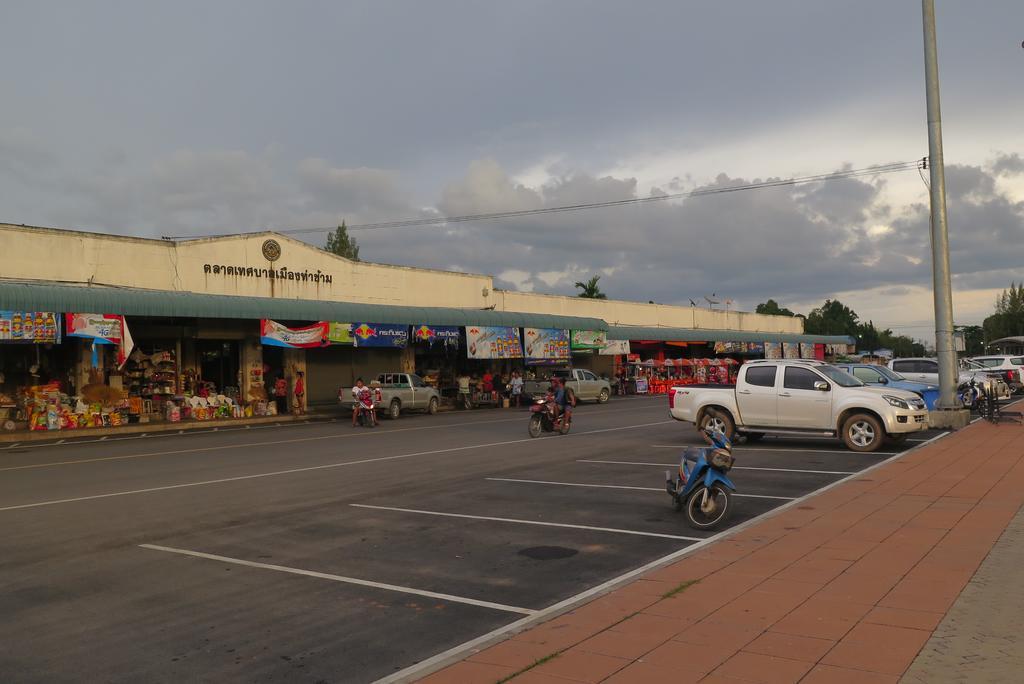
pixel 361 394
pixel 563 400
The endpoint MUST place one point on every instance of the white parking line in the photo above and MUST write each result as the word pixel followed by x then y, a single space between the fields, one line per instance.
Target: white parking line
pixel 346 580
pixel 528 522
pixel 642 489
pixel 791 450
pixel 290 471
pixel 676 465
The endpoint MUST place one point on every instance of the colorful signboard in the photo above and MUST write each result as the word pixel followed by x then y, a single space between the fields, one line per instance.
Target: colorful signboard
pixel 614 348
pixel 806 350
pixel 339 333
pixel 274 334
pixel 546 344
pixel 388 335
pixel 445 334
pixel 791 350
pixel 588 339
pixel 484 342
pixel 772 350
pixel 101 329
pixel 29 327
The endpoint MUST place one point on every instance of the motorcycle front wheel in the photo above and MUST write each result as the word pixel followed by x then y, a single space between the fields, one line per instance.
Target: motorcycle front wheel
pixel 704 515
pixel 563 428
pixel 535 426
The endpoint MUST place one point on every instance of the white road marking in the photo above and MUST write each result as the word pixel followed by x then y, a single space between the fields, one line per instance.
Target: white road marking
pixel 528 522
pixel 797 449
pixel 676 465
pixel 290 471
pixel 642 489
pixel 458 653
pixel 341 578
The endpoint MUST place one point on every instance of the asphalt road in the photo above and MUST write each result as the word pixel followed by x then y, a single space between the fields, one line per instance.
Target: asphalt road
pixel 319 552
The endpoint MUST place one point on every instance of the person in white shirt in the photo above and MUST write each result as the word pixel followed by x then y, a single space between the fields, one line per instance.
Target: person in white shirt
pixel 517 387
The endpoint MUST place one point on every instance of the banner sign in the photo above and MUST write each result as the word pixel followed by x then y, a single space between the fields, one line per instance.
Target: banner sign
pixel 546 344
pixel 380 335
pixel 588 339
pixel 641 385
pixel 339 333
pixel 772 350
pixel 446 334
pixel 29 327
pixel 274 334
pixel 806 350
pixel 791 350
pixel 755 347
pixel 614 348
pixel 730 347
pixel 102 329
pixel 493 343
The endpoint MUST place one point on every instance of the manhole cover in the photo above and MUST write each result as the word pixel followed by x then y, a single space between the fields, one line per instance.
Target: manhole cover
pixel 544 553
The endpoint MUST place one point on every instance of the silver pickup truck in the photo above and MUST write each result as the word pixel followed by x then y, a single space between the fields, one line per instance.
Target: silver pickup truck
pixel 399 392
pixel 583 383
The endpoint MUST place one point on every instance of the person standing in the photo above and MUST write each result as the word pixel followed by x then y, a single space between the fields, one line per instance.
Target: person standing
pixel 517 387
pixel 300 393
pixel 281 394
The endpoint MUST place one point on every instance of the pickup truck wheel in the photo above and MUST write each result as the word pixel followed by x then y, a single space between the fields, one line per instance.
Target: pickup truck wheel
pixel 719 421
pixel 602 398
pixel 394 410
pixel 432 406
pixel 862 432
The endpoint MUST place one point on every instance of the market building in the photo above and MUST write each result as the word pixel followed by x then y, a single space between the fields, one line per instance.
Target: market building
pixel 165 325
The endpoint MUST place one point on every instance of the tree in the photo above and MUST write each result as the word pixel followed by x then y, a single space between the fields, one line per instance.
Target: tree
pixel 868 337
pixel 1008 319
pixel 590 290
pixel 341 244
pixel 772 308
pixel 974 340
pixel 832 318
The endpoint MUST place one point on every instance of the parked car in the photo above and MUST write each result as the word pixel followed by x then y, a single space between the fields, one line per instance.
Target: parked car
pixel 881 376
pixel 927 370
pixel 1011 366
pixel 399 392
pixel 584 383
pixel 798 397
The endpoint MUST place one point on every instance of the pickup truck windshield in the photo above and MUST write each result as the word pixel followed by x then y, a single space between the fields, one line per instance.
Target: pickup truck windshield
pixel 841 378
pixel 887 372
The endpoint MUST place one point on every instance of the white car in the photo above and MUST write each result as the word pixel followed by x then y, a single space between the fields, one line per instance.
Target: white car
pixel 927 370
pixel 807 398
pixel 1011 366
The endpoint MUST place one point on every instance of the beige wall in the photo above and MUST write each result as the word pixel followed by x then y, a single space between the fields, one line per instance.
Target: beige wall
pixel 70 256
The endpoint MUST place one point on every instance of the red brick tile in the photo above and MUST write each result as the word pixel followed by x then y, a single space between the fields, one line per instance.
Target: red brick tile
pixel 619 645
pixel 651 625
pixel 818 570
pixel 754 667
pixel 878 648
pixel 697 660
pixel 899 617
pixel 756 609
pixel 822 618
pixel 512 653
pixel 830 674
pixel 808 649
pixel 581 666
pixel 469 673
pixel 647 673
pixel 691 568
pixel 709 633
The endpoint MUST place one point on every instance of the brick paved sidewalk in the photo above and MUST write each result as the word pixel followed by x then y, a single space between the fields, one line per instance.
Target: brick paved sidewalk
pixel 847 586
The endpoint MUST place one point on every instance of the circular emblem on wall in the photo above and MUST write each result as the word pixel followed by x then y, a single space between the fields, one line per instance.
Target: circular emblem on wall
pixel 271 250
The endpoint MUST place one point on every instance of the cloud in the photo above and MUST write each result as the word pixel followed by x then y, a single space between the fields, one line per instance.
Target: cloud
pixel 1008 165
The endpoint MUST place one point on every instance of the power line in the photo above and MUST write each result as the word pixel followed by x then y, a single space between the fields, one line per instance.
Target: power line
pixel 893 167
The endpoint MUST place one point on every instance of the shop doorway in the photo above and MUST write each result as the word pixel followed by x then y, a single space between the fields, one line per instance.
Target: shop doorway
pixel 218 363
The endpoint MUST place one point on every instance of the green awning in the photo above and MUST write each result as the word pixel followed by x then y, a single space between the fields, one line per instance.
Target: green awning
pixel 626 332
pixel 35 296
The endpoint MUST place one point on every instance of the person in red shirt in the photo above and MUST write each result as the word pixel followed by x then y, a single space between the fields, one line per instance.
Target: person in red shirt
pixel 488 384
pixel 300 393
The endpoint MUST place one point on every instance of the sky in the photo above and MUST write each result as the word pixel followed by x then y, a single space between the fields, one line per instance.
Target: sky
pixel 196 118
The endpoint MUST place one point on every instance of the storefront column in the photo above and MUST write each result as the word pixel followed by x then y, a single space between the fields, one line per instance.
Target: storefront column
pixel 408 362
pixel 252 367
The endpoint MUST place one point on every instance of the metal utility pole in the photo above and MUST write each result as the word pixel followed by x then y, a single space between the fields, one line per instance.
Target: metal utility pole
pixel 940 234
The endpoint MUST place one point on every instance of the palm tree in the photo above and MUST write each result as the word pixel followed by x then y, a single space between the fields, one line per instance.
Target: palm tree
pixel 590 290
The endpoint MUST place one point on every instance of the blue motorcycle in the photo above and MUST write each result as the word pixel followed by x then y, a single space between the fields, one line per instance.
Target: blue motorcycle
pixel 702 489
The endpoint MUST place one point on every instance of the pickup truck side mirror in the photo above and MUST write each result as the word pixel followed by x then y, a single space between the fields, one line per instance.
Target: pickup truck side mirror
pixel 822 386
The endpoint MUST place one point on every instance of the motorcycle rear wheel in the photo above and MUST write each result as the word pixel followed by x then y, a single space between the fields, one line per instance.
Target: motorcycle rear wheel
pixel 720 507
pixel 535 425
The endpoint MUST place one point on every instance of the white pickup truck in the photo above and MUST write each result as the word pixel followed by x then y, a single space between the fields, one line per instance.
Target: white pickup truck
pixel 807 398
pixel 399 392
